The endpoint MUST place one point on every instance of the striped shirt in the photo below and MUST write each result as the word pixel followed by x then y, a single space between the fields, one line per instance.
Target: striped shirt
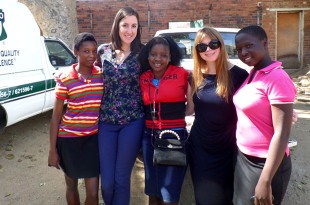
pixel 83 98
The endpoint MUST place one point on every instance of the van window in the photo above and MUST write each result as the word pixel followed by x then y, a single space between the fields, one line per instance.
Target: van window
pixel 59 54
pixel 186 40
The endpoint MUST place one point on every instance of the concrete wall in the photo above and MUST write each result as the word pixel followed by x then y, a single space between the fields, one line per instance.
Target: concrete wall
pixel 56 18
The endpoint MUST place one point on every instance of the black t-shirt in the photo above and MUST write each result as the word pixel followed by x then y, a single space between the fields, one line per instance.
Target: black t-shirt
pixel 215 119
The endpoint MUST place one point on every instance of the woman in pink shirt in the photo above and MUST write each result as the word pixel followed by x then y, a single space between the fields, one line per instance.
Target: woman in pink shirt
pixel 264 105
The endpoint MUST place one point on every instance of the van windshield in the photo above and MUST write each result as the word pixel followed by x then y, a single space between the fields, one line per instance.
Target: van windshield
pixel 59 54
pixel 185 40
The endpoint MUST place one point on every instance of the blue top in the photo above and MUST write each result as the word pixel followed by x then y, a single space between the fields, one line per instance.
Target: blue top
pixel 122 100
pixel 155 82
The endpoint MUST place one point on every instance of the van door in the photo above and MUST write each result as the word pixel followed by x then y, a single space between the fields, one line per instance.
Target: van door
pixel 22 77
pixel 60 59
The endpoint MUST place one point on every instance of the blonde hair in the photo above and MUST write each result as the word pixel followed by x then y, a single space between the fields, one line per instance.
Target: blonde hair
pixel 224 83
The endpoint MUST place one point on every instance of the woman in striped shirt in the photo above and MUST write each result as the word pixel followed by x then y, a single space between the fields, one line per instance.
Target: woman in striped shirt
pixel 73 135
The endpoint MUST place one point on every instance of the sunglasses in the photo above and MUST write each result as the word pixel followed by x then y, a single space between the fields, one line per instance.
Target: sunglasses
pixel 202 47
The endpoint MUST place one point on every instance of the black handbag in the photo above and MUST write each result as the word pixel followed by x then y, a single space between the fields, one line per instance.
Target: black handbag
pixel 170 152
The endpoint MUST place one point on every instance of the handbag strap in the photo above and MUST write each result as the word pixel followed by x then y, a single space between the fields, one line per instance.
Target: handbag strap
pixel 169 131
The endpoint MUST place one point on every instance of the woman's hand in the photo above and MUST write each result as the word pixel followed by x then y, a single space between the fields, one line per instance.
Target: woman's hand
pixel 189 104
pixel 263 193
pixel 53 159
pixel 282 115
pixel 295 117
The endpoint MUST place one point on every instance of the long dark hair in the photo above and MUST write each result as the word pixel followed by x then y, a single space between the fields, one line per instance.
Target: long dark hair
pixel 136 44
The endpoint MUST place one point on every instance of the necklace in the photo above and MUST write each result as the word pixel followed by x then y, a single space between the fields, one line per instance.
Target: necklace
pixel 85 76
pixel 121 56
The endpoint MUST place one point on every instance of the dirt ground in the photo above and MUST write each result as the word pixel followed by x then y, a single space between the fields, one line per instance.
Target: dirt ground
pixel 25 177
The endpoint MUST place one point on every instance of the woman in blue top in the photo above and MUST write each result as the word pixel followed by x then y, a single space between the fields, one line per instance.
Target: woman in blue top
pixel 121 120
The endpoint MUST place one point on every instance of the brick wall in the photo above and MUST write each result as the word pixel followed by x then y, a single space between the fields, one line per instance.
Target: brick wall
pixel 269 23
pixel 96 16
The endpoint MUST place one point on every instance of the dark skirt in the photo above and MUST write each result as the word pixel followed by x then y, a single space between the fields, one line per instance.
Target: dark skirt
pixel 247 172
pixel 79 156
pixel 211 169
pixel 164 182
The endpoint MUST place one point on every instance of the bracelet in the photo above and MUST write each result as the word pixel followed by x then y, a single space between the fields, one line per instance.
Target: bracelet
pixel 169 131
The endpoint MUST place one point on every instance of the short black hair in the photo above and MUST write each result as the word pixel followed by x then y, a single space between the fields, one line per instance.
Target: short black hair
pixel 254 30
pixel 175 52
pixel 82 37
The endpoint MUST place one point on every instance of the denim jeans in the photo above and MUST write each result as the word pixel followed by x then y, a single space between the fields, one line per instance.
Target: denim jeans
pixel 118 148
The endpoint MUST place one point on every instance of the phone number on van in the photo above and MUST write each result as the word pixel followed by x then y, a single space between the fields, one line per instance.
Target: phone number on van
pixel 6 93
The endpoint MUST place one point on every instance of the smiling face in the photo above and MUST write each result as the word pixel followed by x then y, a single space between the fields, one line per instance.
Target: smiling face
pixel 128 28
pixel 251 50
pixel 209 55
pixel 159 57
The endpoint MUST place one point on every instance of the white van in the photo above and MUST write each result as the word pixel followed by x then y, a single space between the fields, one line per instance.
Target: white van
pixel 185 38
pixel 27 64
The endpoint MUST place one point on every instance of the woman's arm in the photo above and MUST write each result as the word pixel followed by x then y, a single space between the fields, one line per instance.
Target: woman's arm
pixel 53 159
pixel 190 103
pixel 282 120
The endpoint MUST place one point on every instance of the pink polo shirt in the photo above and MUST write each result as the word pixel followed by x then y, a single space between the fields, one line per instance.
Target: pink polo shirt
pixel 271 85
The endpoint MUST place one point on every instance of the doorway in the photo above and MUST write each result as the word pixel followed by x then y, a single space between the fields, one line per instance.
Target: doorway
pixel 288 39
